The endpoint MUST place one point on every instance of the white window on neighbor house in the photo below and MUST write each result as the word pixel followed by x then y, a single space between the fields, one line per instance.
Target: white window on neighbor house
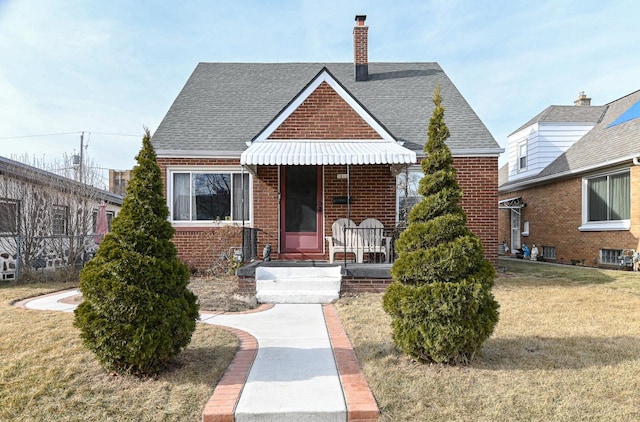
pixel 522 156
pixel 606 202
pixel 60 219
pixel 610 256
pixel 8 216
pixel 407 195
pixel 207 195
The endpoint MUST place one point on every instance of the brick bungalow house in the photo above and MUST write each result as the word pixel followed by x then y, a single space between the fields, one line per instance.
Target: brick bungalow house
pixel 570 185
pixel 289 148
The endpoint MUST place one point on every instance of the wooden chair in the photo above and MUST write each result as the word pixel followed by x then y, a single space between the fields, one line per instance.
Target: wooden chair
pixel 342 241
pixel 373 240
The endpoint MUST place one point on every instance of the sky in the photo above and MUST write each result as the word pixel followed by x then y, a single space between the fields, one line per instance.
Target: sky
pixel 109 69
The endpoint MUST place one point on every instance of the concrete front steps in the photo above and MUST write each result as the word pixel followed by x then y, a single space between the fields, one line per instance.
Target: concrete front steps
pixel 298 284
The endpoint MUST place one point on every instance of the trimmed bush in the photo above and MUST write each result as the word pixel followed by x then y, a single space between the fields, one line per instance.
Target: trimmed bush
pixel 440 301
pixel 137 312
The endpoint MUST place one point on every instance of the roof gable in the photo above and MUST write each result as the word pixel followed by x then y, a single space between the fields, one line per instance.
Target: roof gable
pixel 314 112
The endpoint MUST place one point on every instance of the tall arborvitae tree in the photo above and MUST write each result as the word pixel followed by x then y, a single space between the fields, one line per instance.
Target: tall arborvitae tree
pixel 441 303
pixel 137 312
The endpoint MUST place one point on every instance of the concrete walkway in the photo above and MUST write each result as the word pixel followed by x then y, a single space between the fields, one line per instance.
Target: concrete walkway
pixel 295 363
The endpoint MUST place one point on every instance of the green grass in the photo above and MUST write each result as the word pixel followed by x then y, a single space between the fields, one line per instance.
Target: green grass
pixel 47 375
pixel 567 348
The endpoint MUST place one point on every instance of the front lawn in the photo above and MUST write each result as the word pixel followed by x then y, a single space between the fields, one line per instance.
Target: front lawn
pixel 567 348
pixel 47 375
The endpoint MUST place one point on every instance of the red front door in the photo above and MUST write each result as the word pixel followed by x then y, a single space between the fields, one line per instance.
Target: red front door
pixel 301 209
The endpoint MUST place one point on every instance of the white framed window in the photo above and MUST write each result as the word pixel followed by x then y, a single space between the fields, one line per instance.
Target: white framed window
pixel 60 219
pixel 525 228
pixel 606 202
pixel 522 156
pixel 8 216
pixel 407 195
pixel 198 195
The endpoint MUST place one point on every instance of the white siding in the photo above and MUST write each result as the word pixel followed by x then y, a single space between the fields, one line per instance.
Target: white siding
pixel 545 143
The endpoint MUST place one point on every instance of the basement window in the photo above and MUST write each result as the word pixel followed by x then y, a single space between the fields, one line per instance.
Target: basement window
pixel 549 252
pixel 610 256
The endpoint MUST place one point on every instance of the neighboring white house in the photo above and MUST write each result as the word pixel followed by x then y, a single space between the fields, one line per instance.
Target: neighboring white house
pixel 46 221
pixel 571 183
pixel 535 144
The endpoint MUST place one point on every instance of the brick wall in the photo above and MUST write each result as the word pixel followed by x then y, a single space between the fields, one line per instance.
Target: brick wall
pixel 554 212
pixel 373 192
pixel 265 208
pixel 201 247
pixel 478 179
pixel 324 115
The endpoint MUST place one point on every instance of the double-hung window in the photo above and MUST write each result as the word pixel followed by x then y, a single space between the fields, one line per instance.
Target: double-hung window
pixel 60 219
pixel 209 196
pixel 606 202
pixel 8 216
pixel 407 192
pixel 522 156
pixel 110 215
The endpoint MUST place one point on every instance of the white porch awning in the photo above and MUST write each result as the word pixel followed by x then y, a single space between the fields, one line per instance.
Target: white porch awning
pixel 514 204
pixel 270 152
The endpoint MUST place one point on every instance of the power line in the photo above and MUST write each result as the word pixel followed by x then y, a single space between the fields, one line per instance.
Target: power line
pixel 114 134
pixel 70 133
pixel 38 136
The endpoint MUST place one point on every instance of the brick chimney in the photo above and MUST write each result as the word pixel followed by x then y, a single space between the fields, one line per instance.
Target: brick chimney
pixel 360 48
pixel 582 100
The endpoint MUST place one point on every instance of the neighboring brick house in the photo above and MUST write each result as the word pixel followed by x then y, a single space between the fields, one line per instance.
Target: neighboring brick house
pixel 281 146
pixel 571 183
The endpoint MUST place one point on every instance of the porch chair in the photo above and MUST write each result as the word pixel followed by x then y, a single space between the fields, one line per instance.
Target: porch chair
pixel 373 239
pixel 342 241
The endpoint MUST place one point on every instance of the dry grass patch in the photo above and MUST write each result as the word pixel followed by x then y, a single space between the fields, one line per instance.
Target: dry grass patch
pixel 567 347
pixel 46 373
pixel 219 293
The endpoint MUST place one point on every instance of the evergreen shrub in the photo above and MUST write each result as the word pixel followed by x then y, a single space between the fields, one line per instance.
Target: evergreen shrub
pixel 137 312
pixel 440 301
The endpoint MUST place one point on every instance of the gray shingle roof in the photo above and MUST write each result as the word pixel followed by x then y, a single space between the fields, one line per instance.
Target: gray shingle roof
pixel 35 175
pixel 224 105
pixel 566 114
pixel 602 146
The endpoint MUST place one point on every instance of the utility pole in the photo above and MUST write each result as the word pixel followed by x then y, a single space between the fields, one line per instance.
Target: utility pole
pixel 81 156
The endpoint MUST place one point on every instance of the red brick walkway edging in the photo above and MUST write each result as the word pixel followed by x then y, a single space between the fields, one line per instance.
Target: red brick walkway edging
pixel 222 404
pixel 361 405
